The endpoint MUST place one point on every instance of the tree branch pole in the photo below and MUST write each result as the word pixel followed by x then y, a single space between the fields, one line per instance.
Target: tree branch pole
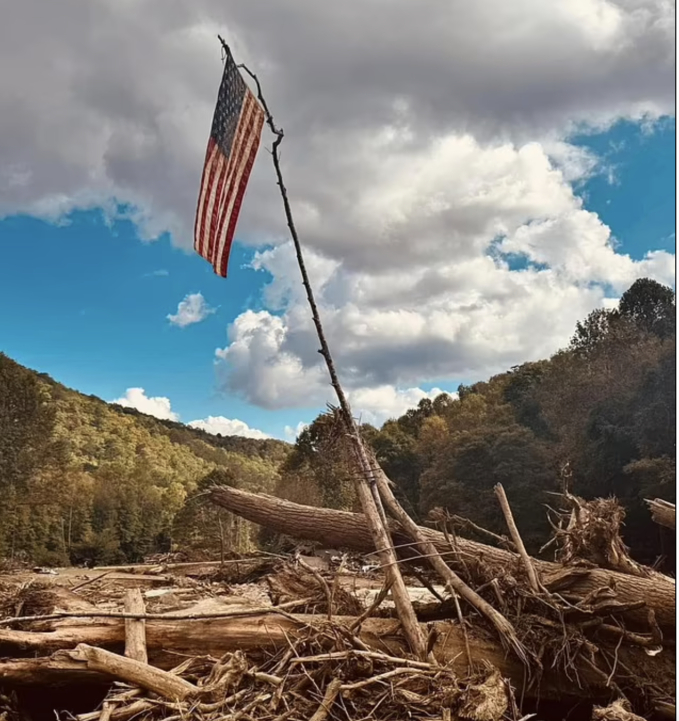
pixel 365 483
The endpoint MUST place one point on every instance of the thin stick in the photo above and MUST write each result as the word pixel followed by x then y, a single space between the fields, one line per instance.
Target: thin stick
pixel 331 694
pixel 516 537
pixel 367 492
pixel 463 626
pixel 465 522
pixel 382 677
pixel 425 582
pixel 321 582
pixel 90 580
pixel 373 606
pixel 373 487
pixel 335 655
pixel 503 627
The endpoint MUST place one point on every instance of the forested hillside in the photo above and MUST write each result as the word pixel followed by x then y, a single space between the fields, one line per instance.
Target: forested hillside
pixel 85 481
pixel 82 480
pixel 599 414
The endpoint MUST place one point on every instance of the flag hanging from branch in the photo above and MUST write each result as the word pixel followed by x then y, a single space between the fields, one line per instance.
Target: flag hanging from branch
pixel 231 150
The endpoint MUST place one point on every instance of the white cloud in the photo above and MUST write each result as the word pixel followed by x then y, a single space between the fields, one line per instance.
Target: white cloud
pixel 436 293
pixel 193 309
pixel 227 427
pixel 157 406
pixel 292 434
pixel 160 407
pixel 99 124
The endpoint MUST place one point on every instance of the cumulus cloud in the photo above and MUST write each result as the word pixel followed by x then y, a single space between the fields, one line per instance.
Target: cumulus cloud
pixel 428 160
pixel 193 309
pixel 160 407
pixel 227 427
pixel 157 406
pixel 100 124
pixel 500 263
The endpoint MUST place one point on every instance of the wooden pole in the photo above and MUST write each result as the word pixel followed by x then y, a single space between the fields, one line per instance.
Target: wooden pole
pixel 371 483
pixel 365 483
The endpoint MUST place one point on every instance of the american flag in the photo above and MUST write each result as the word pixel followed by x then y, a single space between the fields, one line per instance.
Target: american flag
pixel 231 150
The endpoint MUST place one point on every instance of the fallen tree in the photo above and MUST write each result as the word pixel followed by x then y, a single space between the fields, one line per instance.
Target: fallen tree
pixel 663 512
pixel 259 635
pixel 333 528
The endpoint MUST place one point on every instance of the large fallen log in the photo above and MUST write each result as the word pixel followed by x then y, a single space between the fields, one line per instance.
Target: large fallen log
pixel 663 512
pixel 259 635
pixel 349 530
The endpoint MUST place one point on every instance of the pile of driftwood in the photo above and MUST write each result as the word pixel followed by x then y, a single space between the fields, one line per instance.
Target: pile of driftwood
pixel 271 638
pixel 594 628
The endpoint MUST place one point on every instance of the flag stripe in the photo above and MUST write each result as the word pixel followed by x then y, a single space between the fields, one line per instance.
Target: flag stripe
pixel 245 176
pixel 210 155
pixel 208 200
pixel 231 151
pixel 240 159
pixel 216 179
pixel 214 208
pixel 230 178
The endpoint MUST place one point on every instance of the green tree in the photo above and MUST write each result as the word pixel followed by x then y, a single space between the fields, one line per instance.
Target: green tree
pixel 320 467
pixel 463 477
pixel 651 306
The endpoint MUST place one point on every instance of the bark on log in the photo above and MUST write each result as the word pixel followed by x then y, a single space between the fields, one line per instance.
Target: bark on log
pixel 259 636
pixel 663 512
pixel 349 530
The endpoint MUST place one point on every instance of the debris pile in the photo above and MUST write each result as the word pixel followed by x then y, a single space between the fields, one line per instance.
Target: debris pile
pixel 299 637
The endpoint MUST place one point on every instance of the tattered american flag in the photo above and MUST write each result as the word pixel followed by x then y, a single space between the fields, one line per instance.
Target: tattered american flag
pixel 231 150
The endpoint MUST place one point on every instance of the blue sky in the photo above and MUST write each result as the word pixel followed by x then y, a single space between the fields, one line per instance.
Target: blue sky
pixel 91 303
pixel 638 202
pixel 87 301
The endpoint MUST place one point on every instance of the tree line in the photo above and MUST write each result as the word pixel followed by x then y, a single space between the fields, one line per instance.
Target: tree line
pixel 599 415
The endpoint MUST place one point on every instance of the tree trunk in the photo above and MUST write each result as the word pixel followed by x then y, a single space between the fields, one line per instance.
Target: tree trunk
pixel 258 636
pixel 349 530
pixel 663 512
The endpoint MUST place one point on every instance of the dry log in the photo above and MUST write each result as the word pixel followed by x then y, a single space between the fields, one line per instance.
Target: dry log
pixel 663 512
pixel 185 568
pixel 259 636
pixel 135 629
pixel 349 530
pixel 165 684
